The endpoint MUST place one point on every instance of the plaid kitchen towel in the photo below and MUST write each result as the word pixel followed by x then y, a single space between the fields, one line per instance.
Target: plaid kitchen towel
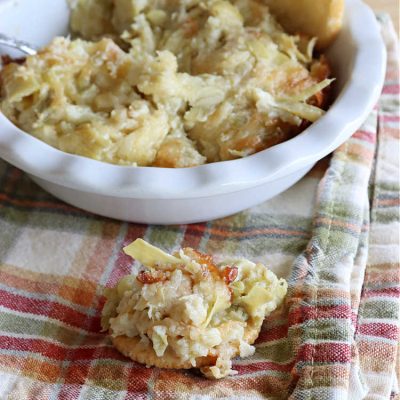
pixel 334 236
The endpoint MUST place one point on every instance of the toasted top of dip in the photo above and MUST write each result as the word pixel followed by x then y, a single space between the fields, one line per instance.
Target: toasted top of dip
pixel 168 83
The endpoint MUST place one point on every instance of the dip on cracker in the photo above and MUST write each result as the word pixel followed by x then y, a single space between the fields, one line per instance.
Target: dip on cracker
pixel 184 311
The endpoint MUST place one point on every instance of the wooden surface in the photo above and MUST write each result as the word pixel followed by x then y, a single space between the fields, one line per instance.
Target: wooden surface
pixel 390 6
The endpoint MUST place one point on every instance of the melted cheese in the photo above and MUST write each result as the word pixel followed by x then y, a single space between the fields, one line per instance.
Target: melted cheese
pixel 167 83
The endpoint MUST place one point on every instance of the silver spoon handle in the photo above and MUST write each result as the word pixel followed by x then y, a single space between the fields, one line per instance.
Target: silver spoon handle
pixel 17 44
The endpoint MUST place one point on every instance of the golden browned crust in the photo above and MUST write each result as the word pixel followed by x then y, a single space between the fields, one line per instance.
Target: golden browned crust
pixel 213 99
pixel 322 19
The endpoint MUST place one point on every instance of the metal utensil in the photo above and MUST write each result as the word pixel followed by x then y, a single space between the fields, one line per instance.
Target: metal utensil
pixel 21 45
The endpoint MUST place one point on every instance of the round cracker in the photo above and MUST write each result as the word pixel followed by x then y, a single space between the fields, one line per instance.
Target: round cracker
pixel 145 354
pixel 136 351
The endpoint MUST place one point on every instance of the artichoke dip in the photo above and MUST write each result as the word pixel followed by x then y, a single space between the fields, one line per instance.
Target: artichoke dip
pixel 168 83
pixel 183 311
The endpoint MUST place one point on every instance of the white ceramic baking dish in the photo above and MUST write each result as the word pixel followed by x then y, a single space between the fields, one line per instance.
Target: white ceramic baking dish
pixel 175 196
